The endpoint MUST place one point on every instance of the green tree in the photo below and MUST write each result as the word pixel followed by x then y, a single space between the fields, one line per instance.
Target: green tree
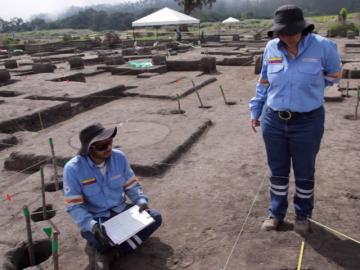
pixel 343 14
pixel 190 5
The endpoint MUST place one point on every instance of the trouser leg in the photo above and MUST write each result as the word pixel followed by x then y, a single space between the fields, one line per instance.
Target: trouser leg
pixel 304 146
pixel 278 155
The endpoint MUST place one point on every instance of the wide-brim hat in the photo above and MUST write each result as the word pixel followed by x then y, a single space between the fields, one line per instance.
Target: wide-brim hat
pixel 289 20
pixel 94 133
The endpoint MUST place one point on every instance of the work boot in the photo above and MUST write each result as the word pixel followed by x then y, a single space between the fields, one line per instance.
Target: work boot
pixel 270 224
pixel 302 226
pixel 97 261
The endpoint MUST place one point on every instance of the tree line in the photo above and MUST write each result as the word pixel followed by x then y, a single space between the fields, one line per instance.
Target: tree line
pixel 120 16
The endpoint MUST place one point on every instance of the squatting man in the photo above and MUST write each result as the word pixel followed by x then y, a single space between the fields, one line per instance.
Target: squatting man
pixel 97 183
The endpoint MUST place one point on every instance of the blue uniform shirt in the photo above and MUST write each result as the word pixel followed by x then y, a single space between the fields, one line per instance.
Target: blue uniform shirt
pixel 297 84
pixel 89 194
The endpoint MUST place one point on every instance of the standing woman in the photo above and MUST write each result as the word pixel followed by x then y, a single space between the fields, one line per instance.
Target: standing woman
pixel 296 68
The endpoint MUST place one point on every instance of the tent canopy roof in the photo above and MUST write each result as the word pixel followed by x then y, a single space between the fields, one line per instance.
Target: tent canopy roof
pixel 165 16
pixel 231 20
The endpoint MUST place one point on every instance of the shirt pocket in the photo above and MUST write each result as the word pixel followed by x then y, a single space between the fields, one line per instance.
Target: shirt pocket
pixel 91 190
pixel 274 74
pixel 308 68
pixel 117 181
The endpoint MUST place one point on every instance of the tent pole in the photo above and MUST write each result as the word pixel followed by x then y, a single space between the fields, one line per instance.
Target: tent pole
pixel 133 34
pixel 156 31
pixel 199 32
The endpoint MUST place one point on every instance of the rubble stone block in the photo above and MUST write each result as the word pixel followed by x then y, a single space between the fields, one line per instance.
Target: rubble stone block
pixel 208 64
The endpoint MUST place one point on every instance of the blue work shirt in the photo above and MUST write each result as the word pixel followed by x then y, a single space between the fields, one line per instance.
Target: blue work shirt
pixel 295 84
pixel 89 194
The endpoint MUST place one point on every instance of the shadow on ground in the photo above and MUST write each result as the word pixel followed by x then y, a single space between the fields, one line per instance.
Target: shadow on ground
pixel 343 252
pixel 152 255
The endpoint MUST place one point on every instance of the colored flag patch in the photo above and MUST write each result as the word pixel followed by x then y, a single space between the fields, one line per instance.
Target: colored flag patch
pixel 275 60
pixel 89 181
pixel 73 200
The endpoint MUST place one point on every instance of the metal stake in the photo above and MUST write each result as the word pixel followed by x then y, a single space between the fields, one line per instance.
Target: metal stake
pixel 223 94
pixel 29 235
pixel 201 104
pixel 178 101
pixel 54 163
pixel 43 192
pixel 55 249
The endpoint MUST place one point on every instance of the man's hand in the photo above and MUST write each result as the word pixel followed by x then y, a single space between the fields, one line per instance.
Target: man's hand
pixel 255 123
pixel 143 206
pixel 100 234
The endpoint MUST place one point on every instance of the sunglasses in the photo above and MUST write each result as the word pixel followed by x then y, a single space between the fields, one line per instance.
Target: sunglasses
pixel 102 147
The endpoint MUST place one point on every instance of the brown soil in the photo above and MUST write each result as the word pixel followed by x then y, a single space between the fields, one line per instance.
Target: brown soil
pixel 214 191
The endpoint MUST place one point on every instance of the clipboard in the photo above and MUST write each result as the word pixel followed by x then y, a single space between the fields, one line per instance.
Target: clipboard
pixel 126 224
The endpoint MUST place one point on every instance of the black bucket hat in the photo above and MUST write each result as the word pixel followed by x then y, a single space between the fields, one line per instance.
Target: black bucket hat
pixel 94 133
pixel 289 20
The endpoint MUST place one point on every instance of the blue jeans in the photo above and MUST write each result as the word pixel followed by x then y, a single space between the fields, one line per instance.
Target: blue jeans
pixel 133 242
pixel 295 141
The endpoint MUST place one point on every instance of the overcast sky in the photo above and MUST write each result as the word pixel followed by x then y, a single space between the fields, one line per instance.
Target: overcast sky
pixel 26 8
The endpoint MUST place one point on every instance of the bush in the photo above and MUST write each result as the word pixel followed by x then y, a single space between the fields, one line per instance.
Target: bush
pixel 340 29
pixel 343 14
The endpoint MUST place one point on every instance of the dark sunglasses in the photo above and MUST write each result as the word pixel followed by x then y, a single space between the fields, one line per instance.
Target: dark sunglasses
pixel 101 147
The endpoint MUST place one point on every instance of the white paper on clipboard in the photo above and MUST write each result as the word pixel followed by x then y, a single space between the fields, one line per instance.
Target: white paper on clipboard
pixel 126 224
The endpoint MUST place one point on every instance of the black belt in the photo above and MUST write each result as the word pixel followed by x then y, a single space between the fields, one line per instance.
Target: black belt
pixel 287 115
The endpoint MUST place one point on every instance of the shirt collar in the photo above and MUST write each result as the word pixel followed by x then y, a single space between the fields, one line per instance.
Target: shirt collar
pixel 92 164
pixel 302 44
pixel 89 160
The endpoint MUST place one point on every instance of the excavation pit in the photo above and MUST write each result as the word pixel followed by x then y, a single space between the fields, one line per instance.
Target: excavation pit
pixel 18 258
pixel 9 93
pixel 37 215
pixel 351 117
pixel 31 115
pixel 151 143
pixel 172 85
pixel 230 103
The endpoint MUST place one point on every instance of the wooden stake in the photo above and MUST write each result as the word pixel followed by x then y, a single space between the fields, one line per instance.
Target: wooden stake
pixel 43 192
pixel 357 103
pixel 29 235
pixel 223 94
pixel 301 255
pixel 178 101
pixel 54 163
pixel 55 249
pixel 201 104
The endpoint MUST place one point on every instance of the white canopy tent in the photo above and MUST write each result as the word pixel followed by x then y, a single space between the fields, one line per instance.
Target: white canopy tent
pixel 165 16
pixel 230 20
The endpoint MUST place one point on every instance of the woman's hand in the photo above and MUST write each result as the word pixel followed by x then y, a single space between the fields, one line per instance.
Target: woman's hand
pixel 255 123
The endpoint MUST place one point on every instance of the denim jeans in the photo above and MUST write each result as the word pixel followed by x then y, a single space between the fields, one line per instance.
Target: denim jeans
pixel 293 142
pixel 133 242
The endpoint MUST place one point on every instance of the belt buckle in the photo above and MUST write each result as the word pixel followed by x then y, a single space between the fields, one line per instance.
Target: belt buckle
pixel 285 118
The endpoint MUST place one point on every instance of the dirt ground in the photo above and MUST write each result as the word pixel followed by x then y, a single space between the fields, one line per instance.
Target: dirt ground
pixel 214 198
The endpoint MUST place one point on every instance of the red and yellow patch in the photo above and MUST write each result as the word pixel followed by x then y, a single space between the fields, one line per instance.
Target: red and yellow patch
pixel 73 200
pixel 275 60
pixel 88 181
pixel 130 183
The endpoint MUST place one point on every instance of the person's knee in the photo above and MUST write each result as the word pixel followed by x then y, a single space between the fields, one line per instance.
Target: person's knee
pixel 155 214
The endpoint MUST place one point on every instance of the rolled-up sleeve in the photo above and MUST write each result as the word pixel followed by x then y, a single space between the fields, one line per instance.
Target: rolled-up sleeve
pixel 256 103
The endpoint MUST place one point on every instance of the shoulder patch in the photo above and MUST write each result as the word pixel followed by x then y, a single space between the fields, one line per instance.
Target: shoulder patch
pixel 275 60
pixel 88 181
